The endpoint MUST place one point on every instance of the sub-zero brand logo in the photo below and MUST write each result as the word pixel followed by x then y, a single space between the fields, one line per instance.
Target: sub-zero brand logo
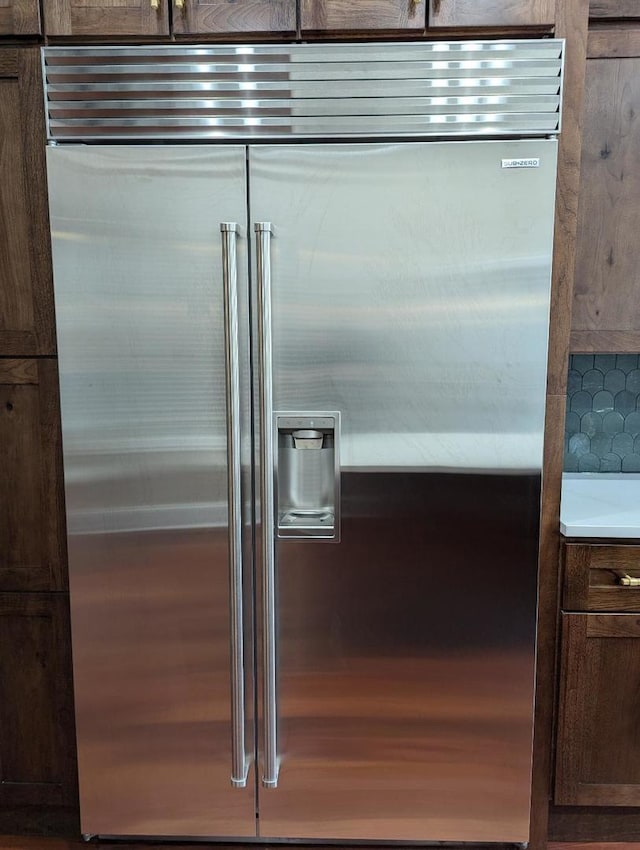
pixel 521 163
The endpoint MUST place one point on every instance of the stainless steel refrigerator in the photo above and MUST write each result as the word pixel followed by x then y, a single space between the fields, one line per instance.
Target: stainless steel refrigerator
pixel 302 301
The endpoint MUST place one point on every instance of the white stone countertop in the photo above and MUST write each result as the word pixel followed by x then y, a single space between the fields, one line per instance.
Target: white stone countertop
pixel 600 504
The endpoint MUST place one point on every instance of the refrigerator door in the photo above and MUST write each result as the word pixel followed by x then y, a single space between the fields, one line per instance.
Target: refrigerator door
pixel 139 271
pixel 403 292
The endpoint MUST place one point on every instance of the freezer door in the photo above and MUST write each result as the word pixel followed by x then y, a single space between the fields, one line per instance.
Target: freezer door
pixel 139 271
pixel 403 301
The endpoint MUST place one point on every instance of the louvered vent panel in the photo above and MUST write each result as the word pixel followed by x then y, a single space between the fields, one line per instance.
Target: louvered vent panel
pixel 262 92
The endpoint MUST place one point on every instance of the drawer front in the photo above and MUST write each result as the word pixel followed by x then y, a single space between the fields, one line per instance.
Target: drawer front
pixel 601 577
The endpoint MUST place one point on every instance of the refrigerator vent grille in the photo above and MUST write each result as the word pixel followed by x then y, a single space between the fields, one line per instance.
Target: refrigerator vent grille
pixel 287 92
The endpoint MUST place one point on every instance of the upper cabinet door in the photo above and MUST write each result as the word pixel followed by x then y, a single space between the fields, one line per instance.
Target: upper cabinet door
pixel 26 292
pixel 234 16
pixel 606 295
pixel 491 13
pixel 327 15
pixel 106 17
pixel 19 17
pixel 32 547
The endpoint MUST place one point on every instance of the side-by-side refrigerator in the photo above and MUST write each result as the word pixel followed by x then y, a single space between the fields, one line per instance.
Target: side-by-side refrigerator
pixel 302 304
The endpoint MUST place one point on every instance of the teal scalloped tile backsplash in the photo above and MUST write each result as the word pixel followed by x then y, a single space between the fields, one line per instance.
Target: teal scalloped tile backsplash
pixel 602 432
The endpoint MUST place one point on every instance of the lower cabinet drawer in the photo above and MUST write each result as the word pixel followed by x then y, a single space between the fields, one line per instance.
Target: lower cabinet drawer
pixel 601 577
pixel 598 746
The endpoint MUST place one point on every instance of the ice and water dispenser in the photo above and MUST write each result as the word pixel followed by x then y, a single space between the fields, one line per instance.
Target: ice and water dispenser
pixel 308 475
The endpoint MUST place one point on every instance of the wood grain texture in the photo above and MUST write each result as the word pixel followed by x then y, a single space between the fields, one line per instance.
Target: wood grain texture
pixel 18 371
pixel 598 737
pixel 17 320
pixel 26 289
pixel 576 561
pixel 607 283
pixel 613 626
pixel 32 126
pixel 615 40
pixel 571 24
pixel 37 765
pixel 591 581
pixel 547 626
pixel 486 13
pixel 605 824
pixel 366 15
pixel 571 716
pixel 105 18
pixel 604 341
pixel 610 555
pixel 20 17
pixel 8 63
pixel 52 524
pixel 606 594
pixel 32 547
pixel 276 17
pixel 614 9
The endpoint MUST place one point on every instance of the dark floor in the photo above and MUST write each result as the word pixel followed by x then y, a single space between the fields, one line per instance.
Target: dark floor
pixel 9 842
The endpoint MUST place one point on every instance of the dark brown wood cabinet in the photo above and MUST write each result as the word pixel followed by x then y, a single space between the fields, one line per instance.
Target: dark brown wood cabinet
pixel 19 17
pixel 601 577
pixel 26 291
pixel 32 549
pixel 367 15
pixel 106 17
pixel 152 17
pixel 614 9
pixel 273 17
pixel 38 774
pixel 37 762
pixel 606 301
pixel 598 740
pixel 598 748
pixel 491 13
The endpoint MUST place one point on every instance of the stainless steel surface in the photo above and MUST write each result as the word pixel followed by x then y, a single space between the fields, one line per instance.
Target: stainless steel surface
pixel 437 346
pixel 401 302
pixel 304 91
pixel 406 663
pixel 140 329
pixel 239 761
pixel 267 521
pixel 411 293
pixel 307 438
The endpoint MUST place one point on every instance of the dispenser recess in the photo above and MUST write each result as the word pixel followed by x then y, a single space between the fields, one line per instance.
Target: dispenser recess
pixel 307 467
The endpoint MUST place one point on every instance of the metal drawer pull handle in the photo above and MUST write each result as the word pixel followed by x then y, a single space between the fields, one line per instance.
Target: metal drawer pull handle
pixel 179 4
pixel 628 581
pixel 155 5
pixel 239 759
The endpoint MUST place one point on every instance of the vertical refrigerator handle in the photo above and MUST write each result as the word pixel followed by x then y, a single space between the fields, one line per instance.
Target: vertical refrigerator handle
pixel 263 263
pixel 239 761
